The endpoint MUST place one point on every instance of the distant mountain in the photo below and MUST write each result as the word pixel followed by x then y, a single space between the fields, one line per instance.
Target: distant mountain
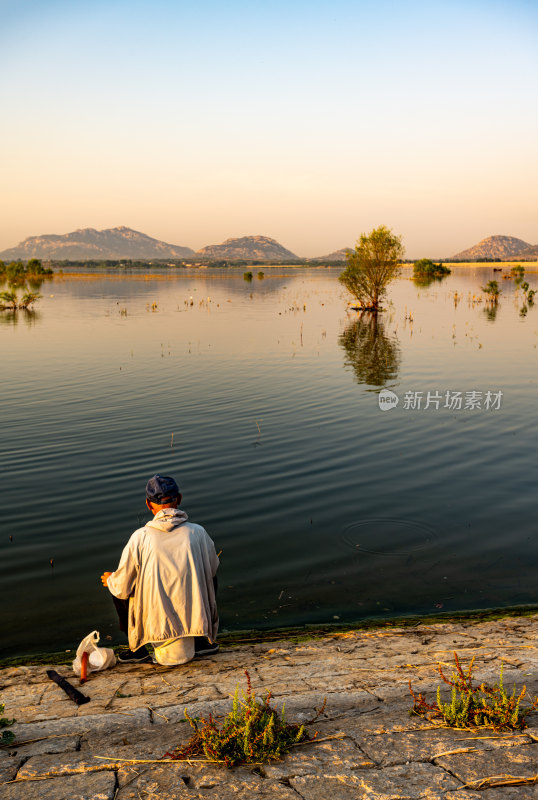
pixel 90 244
pixel 338 255
pixel 255 248
pixel 494 247
pixel 531 254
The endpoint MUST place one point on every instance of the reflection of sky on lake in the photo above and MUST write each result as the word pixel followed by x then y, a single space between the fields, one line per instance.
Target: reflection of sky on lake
pixel 91 395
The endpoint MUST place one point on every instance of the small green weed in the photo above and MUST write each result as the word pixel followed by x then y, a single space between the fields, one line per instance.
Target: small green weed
pixel 470 705
pixel 252 733
pixel 491 289
pixel 517 273
pixel 7 737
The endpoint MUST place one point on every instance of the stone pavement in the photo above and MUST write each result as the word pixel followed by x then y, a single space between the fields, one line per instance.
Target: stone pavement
pixel 65 752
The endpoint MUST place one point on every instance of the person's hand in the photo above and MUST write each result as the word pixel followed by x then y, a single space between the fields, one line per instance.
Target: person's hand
pixel 104 578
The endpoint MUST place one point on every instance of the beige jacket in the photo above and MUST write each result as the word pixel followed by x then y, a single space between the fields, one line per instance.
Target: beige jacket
pixel 166 570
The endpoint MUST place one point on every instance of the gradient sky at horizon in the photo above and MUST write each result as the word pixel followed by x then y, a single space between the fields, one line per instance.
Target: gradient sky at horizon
pixel 308 122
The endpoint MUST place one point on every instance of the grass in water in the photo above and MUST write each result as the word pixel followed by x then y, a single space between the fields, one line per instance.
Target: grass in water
pixel 252 733
pixel 475 706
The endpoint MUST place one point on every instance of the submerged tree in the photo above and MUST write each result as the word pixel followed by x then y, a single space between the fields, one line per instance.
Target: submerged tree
pixel 10 301
pixel 373 356
pixel 372 266
pixel 28 299
pixel 517 273
pixel 492 290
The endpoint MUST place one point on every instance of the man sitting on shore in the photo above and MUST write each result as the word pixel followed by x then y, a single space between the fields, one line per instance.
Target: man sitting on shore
pixel 165 584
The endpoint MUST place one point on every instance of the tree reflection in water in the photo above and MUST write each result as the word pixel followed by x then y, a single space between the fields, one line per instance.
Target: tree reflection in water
pixel 424 281
pixel 490 310
pixel 26 315
pixel 374 356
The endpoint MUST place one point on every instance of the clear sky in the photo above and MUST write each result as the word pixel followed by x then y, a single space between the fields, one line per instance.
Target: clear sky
pixel 306 121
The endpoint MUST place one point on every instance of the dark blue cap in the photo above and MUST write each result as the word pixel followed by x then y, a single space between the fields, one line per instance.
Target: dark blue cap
pixel 161 489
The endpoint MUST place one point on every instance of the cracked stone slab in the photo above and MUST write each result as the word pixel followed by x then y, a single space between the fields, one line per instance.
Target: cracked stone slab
pixel 398 690
pixel 176 713
pixel 303 707
pixel 145 741
pixel 154 783
pixel 264 790
pixel 173 782
pixel 50 766
pixel 195 775
pixel 334 787
pixel 9 765
pixel 425 744
pixel 502 793
pixel 59 744
pixel 338 756
pixel 363 674
pixel 31 713
pixel 532 730
pixel 281 686
pixel 98 723
pixel 97 786
pixel 407 780
pixel 201 694
pixel 516 761
pixel 382 718
pixel 404 782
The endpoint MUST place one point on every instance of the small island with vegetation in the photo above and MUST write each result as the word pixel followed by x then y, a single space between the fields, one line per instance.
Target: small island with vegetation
pixel 27 277
pixel 426 268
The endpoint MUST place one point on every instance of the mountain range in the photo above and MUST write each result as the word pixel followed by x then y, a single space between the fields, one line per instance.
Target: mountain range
pixel 120 243
pixel 503 247
pixel 88 244
pixel 338 255
pixel 257 248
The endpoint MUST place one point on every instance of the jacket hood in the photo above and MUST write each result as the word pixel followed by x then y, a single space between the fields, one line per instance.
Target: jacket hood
pixel 167 519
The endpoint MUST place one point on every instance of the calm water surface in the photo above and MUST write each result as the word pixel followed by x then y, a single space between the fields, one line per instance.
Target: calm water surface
pixel 325 507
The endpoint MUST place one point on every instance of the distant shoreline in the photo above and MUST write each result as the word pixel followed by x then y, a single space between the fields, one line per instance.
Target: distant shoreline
pixel 165 271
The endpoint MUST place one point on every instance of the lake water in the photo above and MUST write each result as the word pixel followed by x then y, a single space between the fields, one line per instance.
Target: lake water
pixel 325 508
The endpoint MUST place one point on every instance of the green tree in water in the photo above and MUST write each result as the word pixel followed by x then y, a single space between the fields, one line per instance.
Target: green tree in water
pixel 492 290
pixel 372 266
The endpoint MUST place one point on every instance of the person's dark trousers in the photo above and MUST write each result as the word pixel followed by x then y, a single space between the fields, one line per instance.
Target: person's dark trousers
pixel 122 607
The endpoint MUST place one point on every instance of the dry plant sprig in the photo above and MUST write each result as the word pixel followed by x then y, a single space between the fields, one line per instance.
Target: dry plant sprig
pixel 252 733
pixel 501 780
pixel 473 706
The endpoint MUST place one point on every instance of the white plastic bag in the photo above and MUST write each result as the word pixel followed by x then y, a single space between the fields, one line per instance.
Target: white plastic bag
pixel 98 657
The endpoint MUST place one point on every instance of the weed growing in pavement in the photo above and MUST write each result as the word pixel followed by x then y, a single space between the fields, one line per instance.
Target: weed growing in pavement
pixel 481 706
pixel 252 733
pixel 7 736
